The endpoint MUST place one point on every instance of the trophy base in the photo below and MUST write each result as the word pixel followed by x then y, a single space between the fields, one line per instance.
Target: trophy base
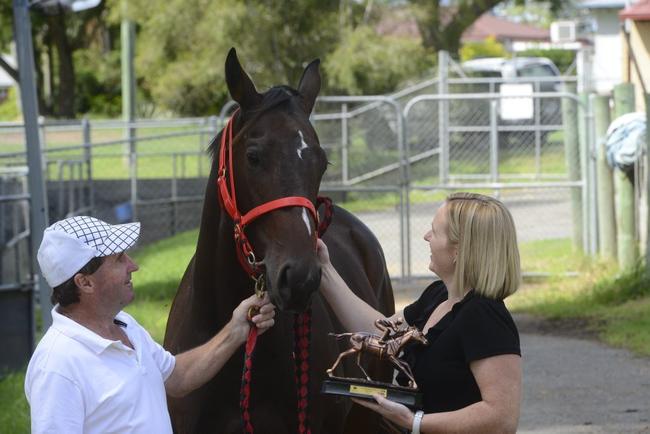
pixel 363 389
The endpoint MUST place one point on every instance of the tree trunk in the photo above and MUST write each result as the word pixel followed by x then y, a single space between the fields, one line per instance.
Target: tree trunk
pixel 66 83
pixel 442 28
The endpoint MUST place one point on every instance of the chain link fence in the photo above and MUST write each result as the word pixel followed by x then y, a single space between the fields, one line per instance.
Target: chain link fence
pixel 153 171
pixel 16 269
pixel 392 158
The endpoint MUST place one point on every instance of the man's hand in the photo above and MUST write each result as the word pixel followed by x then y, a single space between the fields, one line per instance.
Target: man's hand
pixel 263 320
pixel 196 366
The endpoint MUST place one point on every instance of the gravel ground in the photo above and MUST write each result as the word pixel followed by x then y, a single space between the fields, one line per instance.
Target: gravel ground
pixel 573 383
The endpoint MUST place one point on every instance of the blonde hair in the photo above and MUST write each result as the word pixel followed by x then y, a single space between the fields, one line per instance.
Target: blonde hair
pixel 488 257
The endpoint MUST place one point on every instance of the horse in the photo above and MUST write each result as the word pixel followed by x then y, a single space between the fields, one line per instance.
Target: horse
pixel 275 154
pixel 375 346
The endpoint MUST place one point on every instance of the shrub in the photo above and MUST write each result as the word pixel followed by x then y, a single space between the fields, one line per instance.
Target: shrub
pixel 9 106
pixel 489 47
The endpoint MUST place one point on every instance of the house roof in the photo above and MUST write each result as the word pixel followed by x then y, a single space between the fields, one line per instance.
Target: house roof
pixel 490 25
pixel 636 12
pixel 401 23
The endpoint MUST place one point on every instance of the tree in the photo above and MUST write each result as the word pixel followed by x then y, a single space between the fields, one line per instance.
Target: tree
pixel 182 45
pixel 57 34
pixel 442 27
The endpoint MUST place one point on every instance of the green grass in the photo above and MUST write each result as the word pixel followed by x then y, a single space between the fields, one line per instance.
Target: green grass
pixel 109 161
pixel 554 256
pixel 614 305
pixel 162 266
pixel 14 417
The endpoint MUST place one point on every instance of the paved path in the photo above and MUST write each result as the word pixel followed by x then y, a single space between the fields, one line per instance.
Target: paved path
pixel 543 216
pixel 576 385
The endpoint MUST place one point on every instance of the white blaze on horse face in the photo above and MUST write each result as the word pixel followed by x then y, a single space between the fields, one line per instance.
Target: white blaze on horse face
pixel 303 145
pixel 305 218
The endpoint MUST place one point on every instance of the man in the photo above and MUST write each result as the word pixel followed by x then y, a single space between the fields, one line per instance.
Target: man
pixel 97 370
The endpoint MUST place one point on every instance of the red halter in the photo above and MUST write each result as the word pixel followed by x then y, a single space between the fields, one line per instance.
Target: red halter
pixel 248 261
pixel 229 201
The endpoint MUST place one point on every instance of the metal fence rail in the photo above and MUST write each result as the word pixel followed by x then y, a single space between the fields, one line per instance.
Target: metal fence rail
pixel 16 270
pixel 393 160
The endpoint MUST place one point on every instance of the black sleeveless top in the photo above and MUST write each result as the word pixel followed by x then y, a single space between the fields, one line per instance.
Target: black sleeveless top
pixel 476 327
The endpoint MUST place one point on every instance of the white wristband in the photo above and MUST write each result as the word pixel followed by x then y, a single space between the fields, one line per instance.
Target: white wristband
pixel 417 420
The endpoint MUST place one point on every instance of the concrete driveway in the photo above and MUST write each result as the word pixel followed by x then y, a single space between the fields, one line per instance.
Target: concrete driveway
pixel 574 384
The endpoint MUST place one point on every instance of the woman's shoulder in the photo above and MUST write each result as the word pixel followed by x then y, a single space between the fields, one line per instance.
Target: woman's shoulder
pixel 480 309
pixel 436 288
pixel 433 295
pixel 487 328
pixel 419 310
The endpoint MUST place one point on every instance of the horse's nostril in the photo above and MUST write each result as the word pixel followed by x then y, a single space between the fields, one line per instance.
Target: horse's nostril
pixel 283 282
pixel 296 282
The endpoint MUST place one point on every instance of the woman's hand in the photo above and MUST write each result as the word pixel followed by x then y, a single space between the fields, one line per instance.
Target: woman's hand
pixel 323 253
pixel 392 411
pixel 263 318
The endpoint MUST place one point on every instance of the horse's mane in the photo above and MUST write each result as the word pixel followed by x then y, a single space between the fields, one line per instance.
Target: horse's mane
pixel 275 96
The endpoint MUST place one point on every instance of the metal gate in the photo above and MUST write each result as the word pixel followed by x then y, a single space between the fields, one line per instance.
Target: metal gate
pixel 394 162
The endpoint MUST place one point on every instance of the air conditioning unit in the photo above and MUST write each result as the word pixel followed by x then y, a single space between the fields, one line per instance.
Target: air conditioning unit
pixel 564 31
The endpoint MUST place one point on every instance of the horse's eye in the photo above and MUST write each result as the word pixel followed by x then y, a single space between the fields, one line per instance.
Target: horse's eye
pixel 253 157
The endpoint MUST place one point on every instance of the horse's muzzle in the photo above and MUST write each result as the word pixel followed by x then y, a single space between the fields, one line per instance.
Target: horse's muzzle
pixel 296 283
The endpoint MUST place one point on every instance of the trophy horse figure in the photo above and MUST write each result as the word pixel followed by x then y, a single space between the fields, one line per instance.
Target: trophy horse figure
pixel 385 347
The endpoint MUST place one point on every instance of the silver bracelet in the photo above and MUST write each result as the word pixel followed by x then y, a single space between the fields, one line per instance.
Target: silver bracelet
pixel 417 420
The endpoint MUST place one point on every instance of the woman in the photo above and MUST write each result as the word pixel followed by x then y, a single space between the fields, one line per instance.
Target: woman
pixel 470 373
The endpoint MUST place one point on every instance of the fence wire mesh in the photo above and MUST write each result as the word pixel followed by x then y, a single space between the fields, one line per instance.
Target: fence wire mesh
pixel 392 161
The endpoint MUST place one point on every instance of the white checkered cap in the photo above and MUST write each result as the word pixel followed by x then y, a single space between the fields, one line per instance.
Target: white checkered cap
pixel 69 244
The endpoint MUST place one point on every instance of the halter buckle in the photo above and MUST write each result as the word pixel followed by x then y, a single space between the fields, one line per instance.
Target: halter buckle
pixel 260 290
pixel 260 285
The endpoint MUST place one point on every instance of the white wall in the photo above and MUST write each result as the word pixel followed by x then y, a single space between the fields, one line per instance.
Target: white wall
pixel 608 46
pixel 5 79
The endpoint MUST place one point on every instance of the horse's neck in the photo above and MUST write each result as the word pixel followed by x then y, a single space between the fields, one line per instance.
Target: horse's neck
pixel 404 339
pixel 218 277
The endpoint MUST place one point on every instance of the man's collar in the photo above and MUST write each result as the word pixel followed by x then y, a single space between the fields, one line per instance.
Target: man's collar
pixel 82 334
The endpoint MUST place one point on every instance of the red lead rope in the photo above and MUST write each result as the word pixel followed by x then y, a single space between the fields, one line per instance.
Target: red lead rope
pixel 302 334
pixel 302 322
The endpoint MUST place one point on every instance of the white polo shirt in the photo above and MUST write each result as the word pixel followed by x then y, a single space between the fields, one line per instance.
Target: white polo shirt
pixel 79 382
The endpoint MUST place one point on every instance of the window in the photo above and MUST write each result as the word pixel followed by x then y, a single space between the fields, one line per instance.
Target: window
pixel 536 71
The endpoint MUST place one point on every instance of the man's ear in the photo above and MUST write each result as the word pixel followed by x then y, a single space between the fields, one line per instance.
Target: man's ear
pixel 84 283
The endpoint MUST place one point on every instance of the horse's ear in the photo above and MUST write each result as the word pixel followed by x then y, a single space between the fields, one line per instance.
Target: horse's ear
pixel 240 85
pixel 310 85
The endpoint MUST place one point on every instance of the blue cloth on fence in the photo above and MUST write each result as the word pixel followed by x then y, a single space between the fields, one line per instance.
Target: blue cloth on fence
pixel 626 140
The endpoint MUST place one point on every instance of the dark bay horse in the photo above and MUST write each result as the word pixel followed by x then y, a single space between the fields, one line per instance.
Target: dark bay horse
pixel 276 153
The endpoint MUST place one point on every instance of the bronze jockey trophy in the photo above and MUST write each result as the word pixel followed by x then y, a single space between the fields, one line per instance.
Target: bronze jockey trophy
pixel 385 348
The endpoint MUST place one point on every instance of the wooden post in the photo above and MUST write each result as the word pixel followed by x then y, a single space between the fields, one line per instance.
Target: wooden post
pixel 606 217
pixel 647 186
pixel 624 189
pixel 572 155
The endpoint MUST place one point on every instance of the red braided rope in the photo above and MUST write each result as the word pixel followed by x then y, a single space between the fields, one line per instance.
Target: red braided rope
pixel 245 391
pixel 302 331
